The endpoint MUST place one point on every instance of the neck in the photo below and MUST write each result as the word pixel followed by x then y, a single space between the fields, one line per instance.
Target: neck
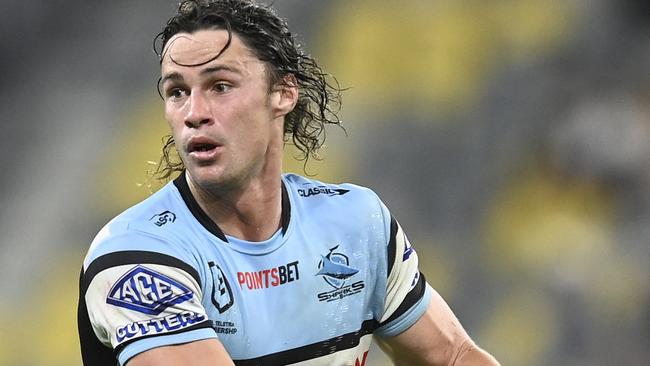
pixel 250 211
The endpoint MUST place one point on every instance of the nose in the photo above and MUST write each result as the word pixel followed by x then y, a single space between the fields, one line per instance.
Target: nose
pixel 198 112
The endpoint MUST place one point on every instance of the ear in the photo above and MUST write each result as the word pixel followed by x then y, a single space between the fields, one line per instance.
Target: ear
pixel 284 96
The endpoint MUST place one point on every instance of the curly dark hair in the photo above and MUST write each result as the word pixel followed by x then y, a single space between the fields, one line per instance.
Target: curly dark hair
pixel 268 37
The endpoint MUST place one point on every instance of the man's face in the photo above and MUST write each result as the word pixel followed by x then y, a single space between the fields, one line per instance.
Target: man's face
pixel 221 113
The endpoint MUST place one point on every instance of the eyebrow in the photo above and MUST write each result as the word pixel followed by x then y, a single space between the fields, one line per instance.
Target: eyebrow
pixel 210 70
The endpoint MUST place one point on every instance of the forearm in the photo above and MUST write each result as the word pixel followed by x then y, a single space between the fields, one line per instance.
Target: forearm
pixel 436 339
pixel 469 354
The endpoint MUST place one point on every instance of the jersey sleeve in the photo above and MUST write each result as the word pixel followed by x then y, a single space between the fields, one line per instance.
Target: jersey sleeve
pixel 135 300
pixel 407 292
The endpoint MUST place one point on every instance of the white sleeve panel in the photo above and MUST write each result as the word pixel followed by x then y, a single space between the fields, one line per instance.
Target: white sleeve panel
pixel 131 301
pixel 404 273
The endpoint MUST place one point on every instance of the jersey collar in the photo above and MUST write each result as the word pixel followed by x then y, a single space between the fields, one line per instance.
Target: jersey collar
pixel 206 221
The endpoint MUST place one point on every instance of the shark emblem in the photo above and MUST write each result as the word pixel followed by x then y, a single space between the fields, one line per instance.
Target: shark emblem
pixel 335 269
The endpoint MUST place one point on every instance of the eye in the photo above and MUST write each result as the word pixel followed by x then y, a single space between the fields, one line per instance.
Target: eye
pixel 221 87
pixel 175 93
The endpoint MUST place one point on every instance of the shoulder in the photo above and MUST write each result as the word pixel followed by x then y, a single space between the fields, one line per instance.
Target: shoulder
pixel 347 207
pixel 140 269
pixel 346 196
pixel 153 225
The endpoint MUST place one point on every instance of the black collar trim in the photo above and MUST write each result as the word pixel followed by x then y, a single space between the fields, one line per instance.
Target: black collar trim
pixel 211 226
pixel 195 209
pixel 286 209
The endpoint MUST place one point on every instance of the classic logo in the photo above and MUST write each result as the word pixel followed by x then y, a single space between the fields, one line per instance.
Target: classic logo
pixel 222 297
pixel 316 190
pixel 147 291
pixel 163 218
pixel 335 269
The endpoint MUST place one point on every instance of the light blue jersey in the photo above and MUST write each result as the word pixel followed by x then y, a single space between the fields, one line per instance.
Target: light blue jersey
pixel 339 270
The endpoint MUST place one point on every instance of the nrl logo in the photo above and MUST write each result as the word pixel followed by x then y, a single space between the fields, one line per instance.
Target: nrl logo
pixel 147 291
pixel 163 218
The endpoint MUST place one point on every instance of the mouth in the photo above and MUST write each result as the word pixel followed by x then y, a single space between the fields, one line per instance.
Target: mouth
pixel 202 148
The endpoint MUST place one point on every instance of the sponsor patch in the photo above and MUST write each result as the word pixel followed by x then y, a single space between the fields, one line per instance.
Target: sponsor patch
pixel 222 297
pixel 316 190
pixel 271 277
pixel 224 327
pixel 147 291
pixel 158 325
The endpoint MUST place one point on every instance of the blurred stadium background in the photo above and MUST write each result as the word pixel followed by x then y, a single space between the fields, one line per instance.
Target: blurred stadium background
pixel 510 137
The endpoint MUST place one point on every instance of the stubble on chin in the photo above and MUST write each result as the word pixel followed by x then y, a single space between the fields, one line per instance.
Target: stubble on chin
pixel 215 182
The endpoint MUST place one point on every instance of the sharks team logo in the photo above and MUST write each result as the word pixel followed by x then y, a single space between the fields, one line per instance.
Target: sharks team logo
pixel 336 270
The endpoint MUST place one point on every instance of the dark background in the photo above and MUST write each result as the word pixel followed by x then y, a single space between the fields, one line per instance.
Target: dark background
pixel 510 138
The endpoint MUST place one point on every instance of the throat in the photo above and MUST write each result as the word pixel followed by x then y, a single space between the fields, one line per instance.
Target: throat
pixel 251 233
pixel 253 216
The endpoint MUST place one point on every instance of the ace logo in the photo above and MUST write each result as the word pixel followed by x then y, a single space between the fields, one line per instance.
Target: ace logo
pixel 147 291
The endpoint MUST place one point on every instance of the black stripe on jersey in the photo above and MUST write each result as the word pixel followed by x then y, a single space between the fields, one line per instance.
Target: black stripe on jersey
pixel 314 350
pixel 133 257
pixel 286 209
pixel 392 245
pixel 195 209
pixel 411 299
pixel 203 324
pixel 93 352
pixel 208 223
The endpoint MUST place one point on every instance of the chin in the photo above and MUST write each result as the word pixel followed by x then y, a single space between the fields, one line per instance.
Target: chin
pixel 212 178
pixel 205 174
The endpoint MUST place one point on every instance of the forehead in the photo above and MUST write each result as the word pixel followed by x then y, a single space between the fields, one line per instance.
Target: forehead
pixel 201 47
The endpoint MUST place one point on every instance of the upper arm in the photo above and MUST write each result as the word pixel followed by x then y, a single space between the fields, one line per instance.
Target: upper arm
pixel 431 340
pixel 134 301
pixel 406 294
pixel 209 352
pixel 417 326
